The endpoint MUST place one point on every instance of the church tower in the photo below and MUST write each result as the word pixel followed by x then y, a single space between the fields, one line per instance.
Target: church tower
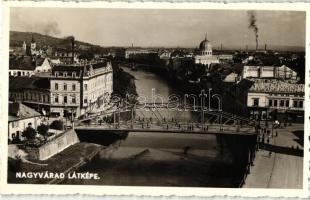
pixel 33 44
pixel 24 46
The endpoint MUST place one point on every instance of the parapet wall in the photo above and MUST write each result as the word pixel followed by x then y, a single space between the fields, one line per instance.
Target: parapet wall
pixel 53 147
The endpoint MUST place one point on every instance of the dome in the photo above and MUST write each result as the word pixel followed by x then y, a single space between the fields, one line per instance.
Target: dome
pixel 205 45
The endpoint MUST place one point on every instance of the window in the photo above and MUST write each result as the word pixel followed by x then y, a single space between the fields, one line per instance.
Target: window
pixel 275 103
pixel 73 87
pixel 56 86
pixel 65 99
pixel 282 103
pixel 14 124
pixel 56 99
pixel 85 100
pixel 295 104
pixel 73 74
pixel 73 100
pixel 65 86
pixel 287 103
pixel 300 104
pixel 255 102
pixel 65 74
pixel 56 74
pixel 85 87
pixel 10 74
pixel 270 102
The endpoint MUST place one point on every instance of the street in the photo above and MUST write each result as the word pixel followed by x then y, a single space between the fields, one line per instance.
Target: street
pixel 284 168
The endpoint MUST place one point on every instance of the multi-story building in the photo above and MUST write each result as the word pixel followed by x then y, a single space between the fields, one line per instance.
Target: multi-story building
pixel 278 72
pixel 32 91
pixel 80 89
pixel 271 98
pixel 137 51
pixel 28 66
pixel 66 56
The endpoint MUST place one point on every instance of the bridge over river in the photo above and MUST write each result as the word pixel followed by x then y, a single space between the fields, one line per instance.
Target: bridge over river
pixel 233 133
pixel 155 117
pixel 234 136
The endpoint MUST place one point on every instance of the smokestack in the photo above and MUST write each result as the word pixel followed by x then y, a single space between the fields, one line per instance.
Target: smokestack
pixel 252 25
pixel 131 45
pixel 221 46
pixel 265 47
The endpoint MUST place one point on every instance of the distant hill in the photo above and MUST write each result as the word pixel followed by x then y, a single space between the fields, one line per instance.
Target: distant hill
pixel 17 38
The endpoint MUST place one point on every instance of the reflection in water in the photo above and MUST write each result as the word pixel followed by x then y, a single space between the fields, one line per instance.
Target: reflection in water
pixel 160 159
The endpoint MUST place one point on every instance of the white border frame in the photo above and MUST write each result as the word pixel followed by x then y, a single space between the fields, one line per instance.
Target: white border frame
pixel 137 190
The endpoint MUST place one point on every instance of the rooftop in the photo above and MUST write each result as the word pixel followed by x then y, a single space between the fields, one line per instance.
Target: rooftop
pixel 25 82
pixel 18 111
pixel 277 86
pixel 24 62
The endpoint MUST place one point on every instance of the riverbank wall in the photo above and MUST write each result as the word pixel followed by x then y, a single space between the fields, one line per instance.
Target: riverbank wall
pixel 53 147
pixel 67 161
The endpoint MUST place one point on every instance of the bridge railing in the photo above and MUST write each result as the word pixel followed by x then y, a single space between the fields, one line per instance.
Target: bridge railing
pixel 189 127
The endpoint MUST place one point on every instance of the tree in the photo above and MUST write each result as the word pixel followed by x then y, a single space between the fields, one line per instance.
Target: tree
pixel 42 130
pixel 29 133
pixel 57 124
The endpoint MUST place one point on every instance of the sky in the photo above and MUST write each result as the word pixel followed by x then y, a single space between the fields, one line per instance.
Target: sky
pixel 163 28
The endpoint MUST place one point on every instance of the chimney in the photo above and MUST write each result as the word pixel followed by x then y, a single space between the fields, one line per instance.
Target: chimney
pixel 221 46
pixel 265 47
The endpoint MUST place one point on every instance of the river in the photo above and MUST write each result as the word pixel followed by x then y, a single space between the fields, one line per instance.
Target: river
pixel 160 159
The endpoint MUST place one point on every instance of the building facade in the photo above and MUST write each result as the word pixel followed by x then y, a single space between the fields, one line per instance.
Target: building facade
pixel 80 89
pixel 278 72
pixel 31 91
pixel 28 66
pixel 267 99
pixel 21 117
pixel 137 51
pixel 66 56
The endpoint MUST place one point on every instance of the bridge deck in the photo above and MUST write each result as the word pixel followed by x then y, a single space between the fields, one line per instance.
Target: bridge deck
pixel 194 129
